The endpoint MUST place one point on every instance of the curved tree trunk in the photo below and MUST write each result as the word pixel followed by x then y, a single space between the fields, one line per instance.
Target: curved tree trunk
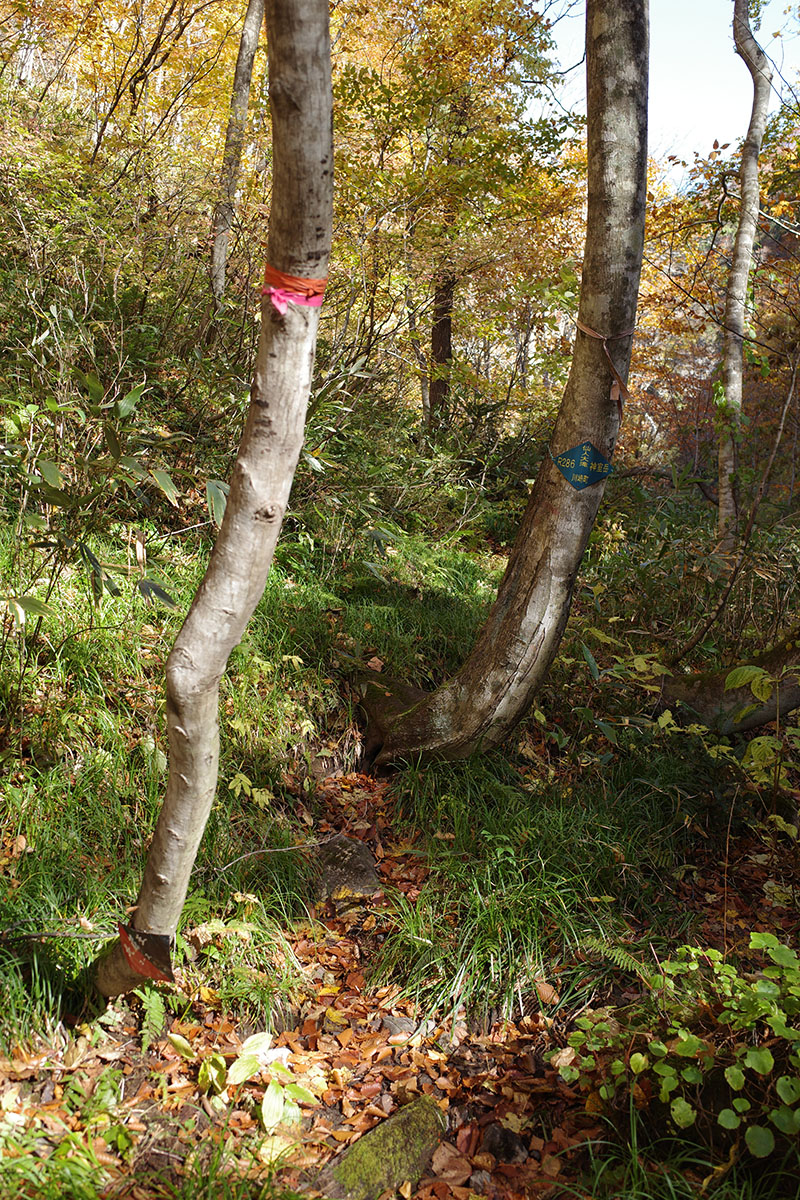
pixel 299 244
pixel 493 690
pixel 705 696
pixel 730 414
pixel 234 141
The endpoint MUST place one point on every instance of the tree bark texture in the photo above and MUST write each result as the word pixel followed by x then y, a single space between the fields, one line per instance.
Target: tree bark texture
pixel 234 142
pixel 730 415
pixel 299 244
pixel 422 363
pixel 441 348
pixel 494 688
pixel 706 699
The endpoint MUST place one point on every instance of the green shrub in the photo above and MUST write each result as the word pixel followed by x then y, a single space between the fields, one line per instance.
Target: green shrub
pixel 713 1049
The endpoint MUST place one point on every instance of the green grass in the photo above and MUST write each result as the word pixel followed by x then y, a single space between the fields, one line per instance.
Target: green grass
pixel 73 1172
pixel 528 877
pixel 85 754
pixel 623 1168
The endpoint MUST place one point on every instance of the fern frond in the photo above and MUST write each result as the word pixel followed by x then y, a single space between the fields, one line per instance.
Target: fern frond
pixel 154 1015
pixel 617 955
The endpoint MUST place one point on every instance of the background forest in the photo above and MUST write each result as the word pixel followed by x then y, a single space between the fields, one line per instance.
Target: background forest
pixel 589 934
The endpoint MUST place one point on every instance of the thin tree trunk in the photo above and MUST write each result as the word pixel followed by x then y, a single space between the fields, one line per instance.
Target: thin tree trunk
pixel 422 363
pixel 441 347
pixel 234 141
pixel 730 413
pixel 299 244
pixel 494 688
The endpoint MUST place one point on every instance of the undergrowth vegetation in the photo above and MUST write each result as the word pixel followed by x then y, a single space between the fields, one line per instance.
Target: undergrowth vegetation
pixel 563 871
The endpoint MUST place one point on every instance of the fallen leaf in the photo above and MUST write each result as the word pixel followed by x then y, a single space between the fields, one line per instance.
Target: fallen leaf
pixel 450 1165
pixel 546 992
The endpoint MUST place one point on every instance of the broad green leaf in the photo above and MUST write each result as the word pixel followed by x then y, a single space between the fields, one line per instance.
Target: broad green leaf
pixel 682 1113
pixel 759 1058
pixel 639 1063
pixel 594 670
pixel 133 467
pixel 788 1089
pixel 762 687
pixel 17 612
pixel 688 1045
pixel 728 1119
pixel 217 499
pixel 692 1074
pixel 244 1067
pixel 282 1071
pixel 602 636
pixel 658 1048
pixel 735 1077
pixel 94 387
pixel 784 956
pixel 58 497
pixel 257 1043
pixel 763 941
pixel 757 677
pixel 128 403
pixel 34 607
pixel 212 1074
pixel 760 1141
pixel 112 442
pixel 49 473
pixel 164 481
pixel 741 1105
pixel 786 1119
pixel 272 1106
pixel 184 1048
pixel 154 591
pixel 301 1094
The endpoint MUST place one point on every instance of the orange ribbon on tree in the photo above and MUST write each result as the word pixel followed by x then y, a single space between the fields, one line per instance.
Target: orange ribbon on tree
pixel 284 289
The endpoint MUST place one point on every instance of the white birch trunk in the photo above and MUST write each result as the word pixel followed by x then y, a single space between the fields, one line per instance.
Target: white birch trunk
pixel 234 141
pixel 493 690
pixel 299 244
pixel 730 414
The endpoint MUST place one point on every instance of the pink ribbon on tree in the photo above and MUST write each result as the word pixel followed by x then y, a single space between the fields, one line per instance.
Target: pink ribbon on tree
pixel 284 290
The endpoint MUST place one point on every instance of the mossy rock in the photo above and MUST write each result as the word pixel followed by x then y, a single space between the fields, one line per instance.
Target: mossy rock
pixel 396 1151
pixel 345 871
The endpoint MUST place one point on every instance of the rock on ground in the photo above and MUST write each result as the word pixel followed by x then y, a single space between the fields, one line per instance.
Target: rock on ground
pixel 394 1152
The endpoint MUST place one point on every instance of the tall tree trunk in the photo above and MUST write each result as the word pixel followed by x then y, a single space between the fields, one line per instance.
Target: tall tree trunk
pixel 234 141
pixel 494 688
pixel 299 245
pixel 441 347
pixel 730 413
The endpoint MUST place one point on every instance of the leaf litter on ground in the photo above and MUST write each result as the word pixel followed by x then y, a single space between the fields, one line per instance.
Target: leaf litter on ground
pixel 355 1054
